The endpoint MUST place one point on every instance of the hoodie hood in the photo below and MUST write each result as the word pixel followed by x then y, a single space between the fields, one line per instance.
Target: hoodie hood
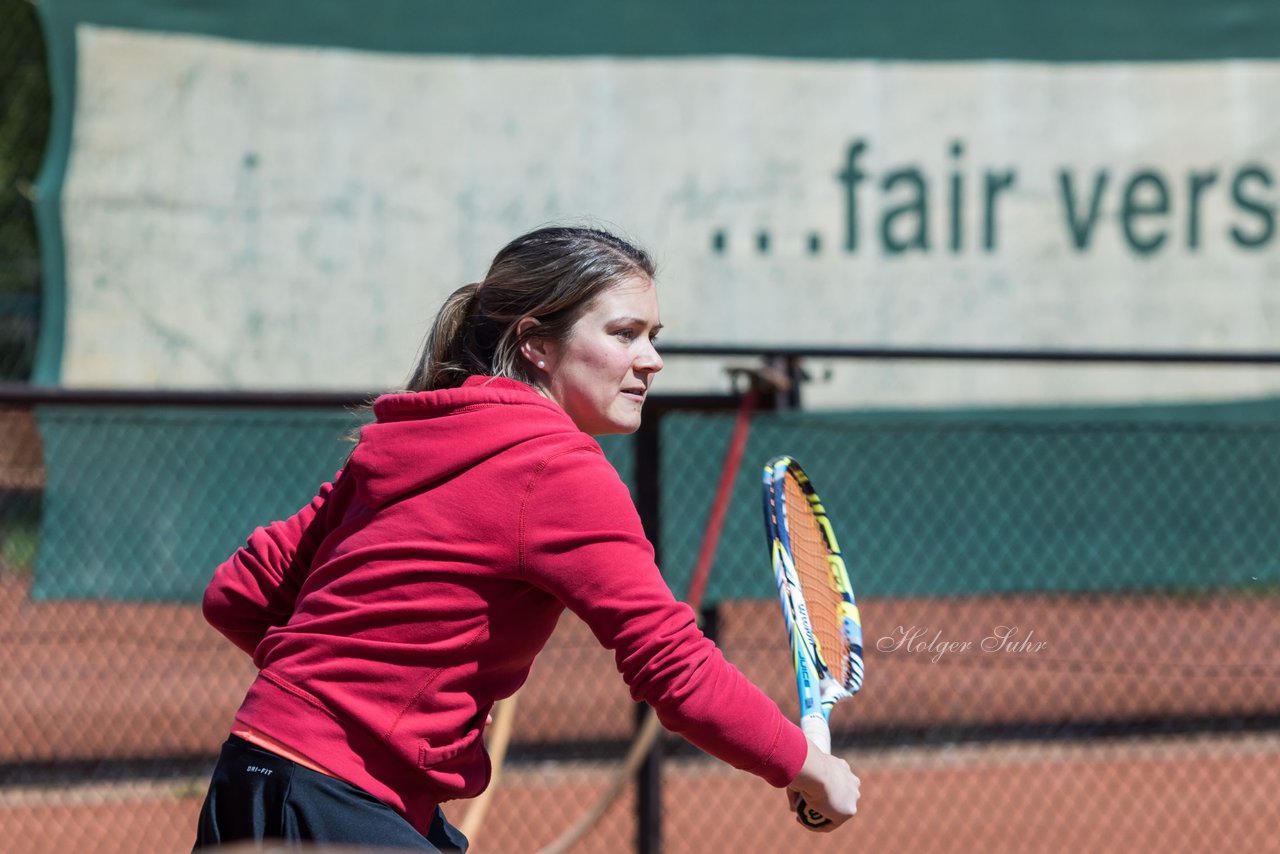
pixel 419 438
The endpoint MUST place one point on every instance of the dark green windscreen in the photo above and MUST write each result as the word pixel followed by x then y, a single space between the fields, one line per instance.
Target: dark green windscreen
pixel 144 504
pixel 960 503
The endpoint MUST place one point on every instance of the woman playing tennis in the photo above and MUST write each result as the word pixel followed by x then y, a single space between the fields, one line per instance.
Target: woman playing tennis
pixel 388 615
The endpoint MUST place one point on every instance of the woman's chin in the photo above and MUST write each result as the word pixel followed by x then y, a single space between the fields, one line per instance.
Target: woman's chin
pixel 612 426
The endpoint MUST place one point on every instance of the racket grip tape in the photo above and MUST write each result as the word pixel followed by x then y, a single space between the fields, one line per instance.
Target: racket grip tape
pixel 815 728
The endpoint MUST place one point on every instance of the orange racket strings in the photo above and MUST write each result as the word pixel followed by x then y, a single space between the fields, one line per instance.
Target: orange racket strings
pixel 809 552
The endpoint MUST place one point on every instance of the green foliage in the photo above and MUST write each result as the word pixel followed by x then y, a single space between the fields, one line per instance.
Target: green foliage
pixel 20 533
pixel 24 128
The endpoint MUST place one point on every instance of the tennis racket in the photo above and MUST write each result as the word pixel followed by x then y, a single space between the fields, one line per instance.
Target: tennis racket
pixel 821 615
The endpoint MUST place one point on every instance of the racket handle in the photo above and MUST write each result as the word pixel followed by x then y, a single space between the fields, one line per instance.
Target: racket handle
pixel 816 729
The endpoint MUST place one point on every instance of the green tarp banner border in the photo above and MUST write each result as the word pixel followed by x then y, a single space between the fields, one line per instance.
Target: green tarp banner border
pixel 920 30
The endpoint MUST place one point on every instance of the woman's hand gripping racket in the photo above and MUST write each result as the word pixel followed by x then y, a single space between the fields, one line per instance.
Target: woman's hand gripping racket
pixel 823 624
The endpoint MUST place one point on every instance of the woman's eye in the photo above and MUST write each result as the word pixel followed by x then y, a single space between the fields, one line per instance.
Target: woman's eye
pixel 626 334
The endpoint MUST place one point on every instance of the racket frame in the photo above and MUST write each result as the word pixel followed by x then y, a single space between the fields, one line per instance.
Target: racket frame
pixel 817 688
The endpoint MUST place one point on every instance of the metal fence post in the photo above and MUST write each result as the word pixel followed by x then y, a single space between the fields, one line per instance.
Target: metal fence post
pixel 648 491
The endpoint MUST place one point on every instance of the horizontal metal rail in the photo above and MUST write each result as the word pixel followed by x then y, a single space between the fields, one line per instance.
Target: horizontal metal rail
pixel 27 394
pixel 1158 357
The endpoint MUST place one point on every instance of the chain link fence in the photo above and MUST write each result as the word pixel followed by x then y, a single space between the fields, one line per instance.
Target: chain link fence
pixel 1071 622
pixel 24 128
pixel 1073 617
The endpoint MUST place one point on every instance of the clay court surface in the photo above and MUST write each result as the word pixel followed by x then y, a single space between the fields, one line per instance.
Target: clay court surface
pixel 121 685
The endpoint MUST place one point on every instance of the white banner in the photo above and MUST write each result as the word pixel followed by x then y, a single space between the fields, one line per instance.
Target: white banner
pixel 258 216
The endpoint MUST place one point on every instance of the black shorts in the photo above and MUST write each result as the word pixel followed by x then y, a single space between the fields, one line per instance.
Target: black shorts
pixel 256 794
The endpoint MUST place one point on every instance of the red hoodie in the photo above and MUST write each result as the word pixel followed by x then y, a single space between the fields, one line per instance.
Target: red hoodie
pixel 388 615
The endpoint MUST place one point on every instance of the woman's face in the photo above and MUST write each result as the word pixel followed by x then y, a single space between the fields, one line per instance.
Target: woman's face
pixel 601 373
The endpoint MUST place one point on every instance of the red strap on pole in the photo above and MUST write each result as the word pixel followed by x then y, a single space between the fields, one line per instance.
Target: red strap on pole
pixel 720 506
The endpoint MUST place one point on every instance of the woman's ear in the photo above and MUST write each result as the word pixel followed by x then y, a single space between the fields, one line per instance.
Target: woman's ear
pixel 534 349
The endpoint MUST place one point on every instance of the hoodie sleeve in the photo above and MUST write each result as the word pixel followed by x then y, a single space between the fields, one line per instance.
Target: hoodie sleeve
pixel 255 589
pixel 581 540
